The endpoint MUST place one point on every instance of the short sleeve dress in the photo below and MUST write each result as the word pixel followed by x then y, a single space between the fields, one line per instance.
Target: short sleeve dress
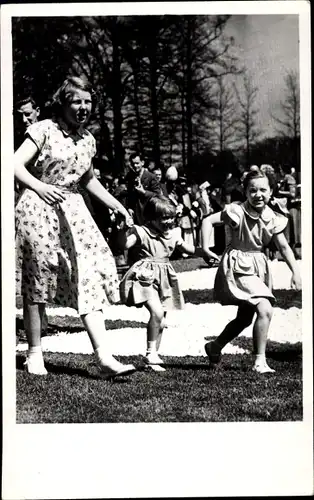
pixel 243 275
pixel 153 271
pixel 61 255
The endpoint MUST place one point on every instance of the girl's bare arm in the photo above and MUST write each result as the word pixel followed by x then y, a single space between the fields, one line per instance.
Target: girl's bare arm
pixel 27 152
pixel 288 256
pixel 206 232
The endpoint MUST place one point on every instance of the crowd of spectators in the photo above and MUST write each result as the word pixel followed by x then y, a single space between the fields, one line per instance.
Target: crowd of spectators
pixel 193 201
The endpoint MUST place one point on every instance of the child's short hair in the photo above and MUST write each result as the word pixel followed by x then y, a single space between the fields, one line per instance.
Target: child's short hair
pixel 70 85
pixel 255 173
pixel 26 100
pixel 158 207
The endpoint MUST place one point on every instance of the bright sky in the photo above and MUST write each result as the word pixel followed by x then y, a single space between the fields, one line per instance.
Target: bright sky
pixel 269 47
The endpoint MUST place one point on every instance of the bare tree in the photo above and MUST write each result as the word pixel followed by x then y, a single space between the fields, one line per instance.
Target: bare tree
pixel 248 128
pixel 226 119
pixel 289 123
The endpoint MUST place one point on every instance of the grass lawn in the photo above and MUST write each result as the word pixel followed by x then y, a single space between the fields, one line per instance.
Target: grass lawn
pixel 188 391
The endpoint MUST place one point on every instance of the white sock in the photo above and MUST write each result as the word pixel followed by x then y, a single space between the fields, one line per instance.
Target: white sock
pixel 35 350
pixel 35 361
pixel 260 359
pixel 103 355
pixel 151 347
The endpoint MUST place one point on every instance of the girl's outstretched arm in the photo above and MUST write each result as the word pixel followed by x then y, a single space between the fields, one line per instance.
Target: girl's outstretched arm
pixel 126 238
pixel 96 189
pixel 206 232
pixel 288 256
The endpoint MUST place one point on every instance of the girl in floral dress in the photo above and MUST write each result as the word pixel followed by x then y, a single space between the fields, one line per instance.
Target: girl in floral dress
pixel 151 281
pixel 243 277
pixel 61 256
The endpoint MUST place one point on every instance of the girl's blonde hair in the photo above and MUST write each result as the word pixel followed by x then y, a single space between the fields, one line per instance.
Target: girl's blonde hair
pixel 68 87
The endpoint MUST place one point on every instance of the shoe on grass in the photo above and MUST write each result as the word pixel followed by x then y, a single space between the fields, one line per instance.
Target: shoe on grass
pixel 115 368
pixel 35 365
pixel 155 368
pixel 213 355
pixel 153 359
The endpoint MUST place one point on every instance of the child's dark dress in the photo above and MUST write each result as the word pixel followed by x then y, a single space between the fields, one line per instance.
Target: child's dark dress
pixel 153 271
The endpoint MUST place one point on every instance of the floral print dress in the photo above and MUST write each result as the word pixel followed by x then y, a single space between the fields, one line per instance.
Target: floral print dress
pixel 61 256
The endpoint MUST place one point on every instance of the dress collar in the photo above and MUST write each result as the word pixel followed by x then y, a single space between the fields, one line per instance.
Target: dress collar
pixel 266 215
pixel 154 234
pixel 68 131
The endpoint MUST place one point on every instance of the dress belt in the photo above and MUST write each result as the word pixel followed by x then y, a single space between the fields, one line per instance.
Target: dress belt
pixel 164 260
pixel 68 189
pixel 245 251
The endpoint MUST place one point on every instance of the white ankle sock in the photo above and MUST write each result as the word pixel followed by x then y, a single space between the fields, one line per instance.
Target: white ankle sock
pixel 260 358
pixel 151 347
pixel 35 350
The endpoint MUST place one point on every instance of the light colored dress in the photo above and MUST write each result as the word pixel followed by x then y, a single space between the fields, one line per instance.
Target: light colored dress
pixel 153 271
pixel 243 274
pixel 61 255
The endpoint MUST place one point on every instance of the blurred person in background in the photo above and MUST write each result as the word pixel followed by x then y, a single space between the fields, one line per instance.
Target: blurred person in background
pixel 291 190
pixel 141 186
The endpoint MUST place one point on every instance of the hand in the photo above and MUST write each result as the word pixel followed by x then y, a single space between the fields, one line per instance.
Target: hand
pixel 296 283
pixel 208 255
pixel 129 222
pixel 139 188
pixel 50 194
pixel 127 218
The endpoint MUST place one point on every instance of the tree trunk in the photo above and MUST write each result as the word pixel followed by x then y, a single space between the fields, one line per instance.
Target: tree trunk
pixel 183 129
pixel 137 110
pixel 189 93
pixel 154 103
pixel 116 102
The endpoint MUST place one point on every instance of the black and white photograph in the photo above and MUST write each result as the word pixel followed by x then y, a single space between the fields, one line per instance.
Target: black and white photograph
pixel 156 249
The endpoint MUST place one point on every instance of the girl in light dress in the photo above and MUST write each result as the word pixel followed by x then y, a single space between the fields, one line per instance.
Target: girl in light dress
pixel 243 277
pixel 151 281
pixel 61 255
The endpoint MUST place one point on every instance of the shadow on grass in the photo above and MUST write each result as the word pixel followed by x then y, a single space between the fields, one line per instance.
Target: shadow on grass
pixel 275 350
pixel 284 298
pixel 90 372
pixel 65 326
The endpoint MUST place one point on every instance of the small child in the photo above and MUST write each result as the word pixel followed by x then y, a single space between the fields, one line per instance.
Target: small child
pixel 152 281
pixel 243 277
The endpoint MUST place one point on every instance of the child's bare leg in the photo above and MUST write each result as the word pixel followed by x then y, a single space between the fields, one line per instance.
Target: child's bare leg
pixel 94 323
pixel 33 316
pixel 243 319
pixel 161 329
pixel 264 313
pixel 153 328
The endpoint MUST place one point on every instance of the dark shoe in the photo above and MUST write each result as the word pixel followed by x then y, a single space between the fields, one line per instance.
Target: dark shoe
pixel 211 262
pixel 214 357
